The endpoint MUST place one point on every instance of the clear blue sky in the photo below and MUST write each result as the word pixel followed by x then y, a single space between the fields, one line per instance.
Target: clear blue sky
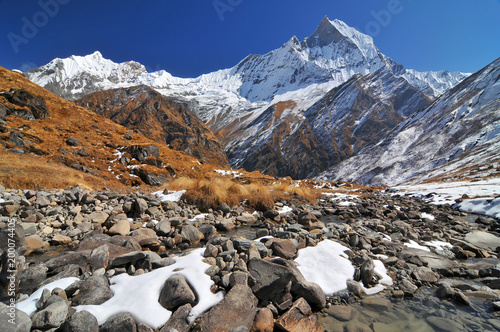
pixel 188 38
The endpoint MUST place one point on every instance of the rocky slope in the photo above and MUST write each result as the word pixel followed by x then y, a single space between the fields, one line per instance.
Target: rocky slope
pixel 106 241
pixel 158 118
pixel 460 130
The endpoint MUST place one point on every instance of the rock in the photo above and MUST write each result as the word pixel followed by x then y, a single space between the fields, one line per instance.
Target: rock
pixel 21 322
pixel 391 261
pixel 31 277
pixel 121 227
pixel 483 240
pixel 424 274
pixel 144 328
pixel 224 208
pixel 51 317
pixel 408 287
pixel 445 292
pixel 191 234
pixel 42 201
pixel 355 288
pixel 99 258
pixel 122 322
pixel 140 206
pixel 143 234
pixel 367 271
pixel 341 312
pixel 59 239
pixel 176 292
pixel 496 305
pixel 34 242
pixel 299 318
pixel 236 311
pixel 179 320
pixel 81 321
pixel 80 258
pixel 310 291
pixel 163 228
pixel 72 141
pixel 246 218
pixel 226 225
pixel 461 299
pixel 377 303
pixel 271 279
pixel 283 248
pixel 445 324
pixel 98 217
pixel 128 258
pixel 94 290
pixel 264 321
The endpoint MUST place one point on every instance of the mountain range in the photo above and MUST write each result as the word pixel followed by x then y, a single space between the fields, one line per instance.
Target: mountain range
pixel 306 109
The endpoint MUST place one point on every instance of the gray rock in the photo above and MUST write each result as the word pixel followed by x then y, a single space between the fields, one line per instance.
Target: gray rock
pixel 140 205
pixel 342 313
pixel 176 292
pixel 98 217
pixel 13 320
pixel 224 208
pixel 237 310
pixel 122 322
pixel 377 303
pixel 408 287
pixel 271 279
pixel 483 240
pixel 367 271
pixel 425 274
pixel 355 288
pixel 128 258
pixel 94 290
pixel 191 234
pixel 163 262
pixel 51 317
pixel 299 318
pixel 81 321
pixel 163 228
pixel 283 248
pixel 72 141
pixel 32 277
pixel 445 292
pixel 178 321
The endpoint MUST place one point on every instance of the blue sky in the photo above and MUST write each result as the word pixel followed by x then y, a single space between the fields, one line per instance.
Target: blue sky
pixel 188 38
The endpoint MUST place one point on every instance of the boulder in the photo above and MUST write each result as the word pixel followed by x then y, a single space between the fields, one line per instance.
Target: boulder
pixel 191 234
pixel 176 292
pixel 424 274
pixel 21 322
pixel 264 321
pixel 121 227
pixel 98 217
pixel 163 228
pixel 94 290
pixel 179 320
pixel 271 279
pixel 81 321
pixel 51 317
pixel 283 248
pixel 235 312
pixel 299 318
pixel 122 322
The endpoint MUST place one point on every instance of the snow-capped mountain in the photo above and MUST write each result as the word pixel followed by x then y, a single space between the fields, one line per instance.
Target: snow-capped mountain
pixel 264 107
pixel 459 132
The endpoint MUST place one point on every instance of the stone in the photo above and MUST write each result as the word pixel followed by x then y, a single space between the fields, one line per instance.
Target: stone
pixel 226 225
pixel 191 234
pixel 377 303
pixel 122 322
pixel 51 317
pixel 179 319
pixel 299 318
pixel 140 205
pixel 98 217
pixel 483 240
pixel 42 201
pixel 224 208
pixel 367 271
pixel 310 291
pixel 94 290
pixel 142 234
pixel 445 324
pixel 59 239
pixel 342 313
pixel 461 299
pixel 408 287
pixel 22 320
pixel 354 326
pixel 424 274
pixel 31 277
pixel 271 279
pixel 163 228
pixel 81 321
pixel 34 242
pixel 445 292
pixel 236 311
pixel 144 328
pixel 99 258
pixel 283 248
pixel 72 141
pixel 355 288
pixel 128 258
pixel 176 292
pixel 121 227
pixel 80 258
pixel 264 321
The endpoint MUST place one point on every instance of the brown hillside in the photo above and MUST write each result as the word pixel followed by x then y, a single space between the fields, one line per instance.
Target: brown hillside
pixel 158 118
pixel 49 142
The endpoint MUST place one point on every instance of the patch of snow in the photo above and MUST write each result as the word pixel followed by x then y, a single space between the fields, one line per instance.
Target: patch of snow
pixel 428 216
pixel 415 245
pixel 139 294
pixel 385 280
pixel 199 216
pixel 29 305
pixel 173 196
pixel 326 265
pixel 285 209
pixel 438 245
pixel 485 206
pixel 226 173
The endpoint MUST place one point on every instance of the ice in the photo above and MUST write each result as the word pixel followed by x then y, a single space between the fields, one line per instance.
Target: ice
pixel 139 295
pixel 326 265
pixel 29 305
pixel 172 196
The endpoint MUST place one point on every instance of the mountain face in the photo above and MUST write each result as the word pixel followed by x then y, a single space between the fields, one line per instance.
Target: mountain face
pixel 283 112
pixel 458 132
pixel 158 118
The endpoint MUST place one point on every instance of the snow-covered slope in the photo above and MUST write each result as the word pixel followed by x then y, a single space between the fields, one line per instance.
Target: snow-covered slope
pixel 459 131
